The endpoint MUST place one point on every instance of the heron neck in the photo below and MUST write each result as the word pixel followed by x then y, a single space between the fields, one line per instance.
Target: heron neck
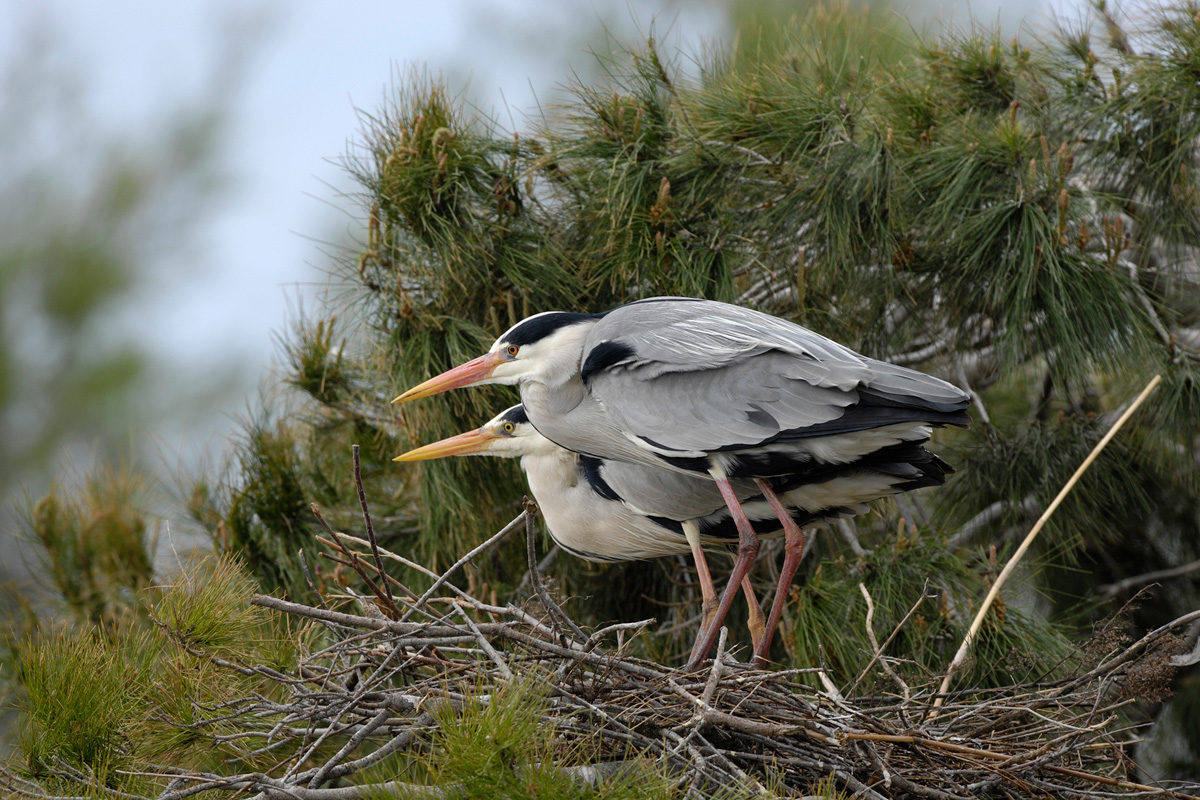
pixel 567 414
pixel 561 398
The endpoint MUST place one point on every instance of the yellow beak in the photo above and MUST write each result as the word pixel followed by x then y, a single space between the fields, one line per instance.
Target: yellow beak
pixel 468 374
pixel 475 441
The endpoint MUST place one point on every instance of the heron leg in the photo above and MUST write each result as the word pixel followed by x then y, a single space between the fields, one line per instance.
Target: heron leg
pixel 793 550
pixel 757 622
pixel 708 592
pixel 747 551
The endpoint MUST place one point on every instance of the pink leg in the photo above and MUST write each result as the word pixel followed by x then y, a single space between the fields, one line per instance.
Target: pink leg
pixel 747 550
pixel 793 549
pixel 708 592
pixel 757 622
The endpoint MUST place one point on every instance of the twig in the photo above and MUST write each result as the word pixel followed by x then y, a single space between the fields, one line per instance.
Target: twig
pixel 552 608
pixel 423 599
pixel 878 656
pixel 362 501
pixel 357 564
pixel 961 655
pixel 1128 653
pixel 846 529
pixel 542 566
pixel 1110 590
pixel 485 645
pixel 309 580
pixel 993 512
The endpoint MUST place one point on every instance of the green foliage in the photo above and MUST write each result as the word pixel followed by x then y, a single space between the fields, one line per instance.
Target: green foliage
pixel 209 606
pixel 205 610
pixel 914 572
pixel 497 747
pixel 1145 120
pixel 270 519
pixel 97 543
pixel 78 704
pixel 1048 452
pixel 105 700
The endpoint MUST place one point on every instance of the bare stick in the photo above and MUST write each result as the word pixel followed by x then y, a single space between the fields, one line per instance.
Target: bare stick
pixel 357 563
pixel 961 655
pixel 875 644
pixel 924 596
pixel 485 645
pixel 446 575
pixel 552 608
pixel 1118 587
pixel 362 501
pixel 309 578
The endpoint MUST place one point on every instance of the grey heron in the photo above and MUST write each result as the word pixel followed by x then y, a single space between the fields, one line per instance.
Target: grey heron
pixel 596 509
pixel 702 387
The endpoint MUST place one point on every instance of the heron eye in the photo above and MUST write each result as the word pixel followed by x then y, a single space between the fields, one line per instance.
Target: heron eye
pixel 512 350
pixel 509 427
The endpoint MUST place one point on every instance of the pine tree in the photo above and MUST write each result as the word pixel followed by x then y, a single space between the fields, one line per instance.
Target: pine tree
pixel 1020 218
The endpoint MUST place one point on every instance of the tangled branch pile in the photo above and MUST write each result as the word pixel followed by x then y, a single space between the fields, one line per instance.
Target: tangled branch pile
pixel 396 681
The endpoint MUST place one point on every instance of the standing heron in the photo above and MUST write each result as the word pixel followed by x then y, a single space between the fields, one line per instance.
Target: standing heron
pixel 705 387
pixel 596 509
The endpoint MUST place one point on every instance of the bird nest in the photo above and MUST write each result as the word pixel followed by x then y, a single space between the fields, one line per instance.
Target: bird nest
pixel 385 681
pixel 726 724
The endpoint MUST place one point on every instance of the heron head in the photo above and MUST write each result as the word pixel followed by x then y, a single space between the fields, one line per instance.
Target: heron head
pixel 540 347
pixel 508 435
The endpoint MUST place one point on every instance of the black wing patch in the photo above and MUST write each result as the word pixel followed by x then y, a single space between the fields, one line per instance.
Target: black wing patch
pixel 591 472
pixel 605 355
pixel 675 526
pixel 721 526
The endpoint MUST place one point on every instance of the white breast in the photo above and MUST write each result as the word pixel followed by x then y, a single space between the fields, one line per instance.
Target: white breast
pixel 588 525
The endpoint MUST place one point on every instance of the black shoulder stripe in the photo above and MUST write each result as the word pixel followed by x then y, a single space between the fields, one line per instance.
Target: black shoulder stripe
pixel 591 472
pixel 605 355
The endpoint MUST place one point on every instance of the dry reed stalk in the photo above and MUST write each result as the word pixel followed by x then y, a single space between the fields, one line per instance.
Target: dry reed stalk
pixel 961 655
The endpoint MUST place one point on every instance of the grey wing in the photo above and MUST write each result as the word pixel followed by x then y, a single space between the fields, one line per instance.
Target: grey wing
pixel 741 404
pixel 699 376
pixel 672 334
pixel 657 492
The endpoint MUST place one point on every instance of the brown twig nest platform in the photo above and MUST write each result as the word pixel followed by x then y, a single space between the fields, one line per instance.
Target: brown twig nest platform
pixel 726 725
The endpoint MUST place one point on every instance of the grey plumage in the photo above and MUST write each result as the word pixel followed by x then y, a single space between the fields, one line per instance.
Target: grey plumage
pixel 594 510
pixel 701 387
pixel 674 382
pixel 615 511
